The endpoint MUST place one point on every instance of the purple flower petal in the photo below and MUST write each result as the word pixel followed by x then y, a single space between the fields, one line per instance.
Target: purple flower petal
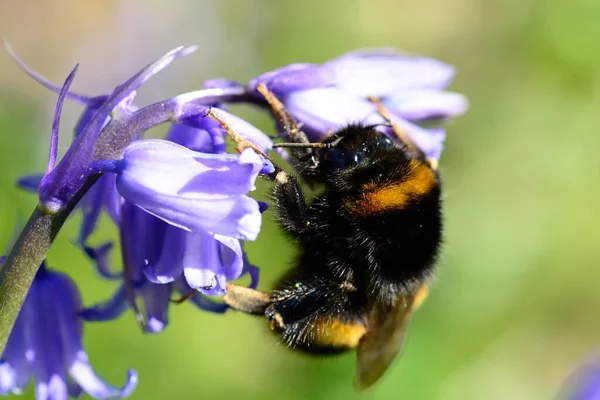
pixel 112 198
pixel 221 83
pixel 47 359
pixel 293 77
pixel 157 299
pixel 362 73
pixel 170 263
pixel 427 104
pixel 231 257
pixel 93 105
pixel 109 310
pixel 100 256
pixel 14 367
pixel 195 138
pixel 198 299
pixel 430 141
pixel 30 183
pixel 74 389
pixel 53 151
pixel 92 204
pixel 193 191
pixel 323 111
pixel 8 378
pixel 73 170
pixel 53 389
pixel 39 78
pixel 254 274
pixel 379 72
pixel 243 128
pixel 46 342
pixel 211 261
pixel 85 376
pixel 142 238
pixel 66 298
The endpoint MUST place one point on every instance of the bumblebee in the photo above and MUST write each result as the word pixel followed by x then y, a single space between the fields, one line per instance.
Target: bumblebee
pixel 368 243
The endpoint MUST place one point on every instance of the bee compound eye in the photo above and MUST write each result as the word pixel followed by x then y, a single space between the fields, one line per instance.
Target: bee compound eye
pixel 385 141
pixel 335 157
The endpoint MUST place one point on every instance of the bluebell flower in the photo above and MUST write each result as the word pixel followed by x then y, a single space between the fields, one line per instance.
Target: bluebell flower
pixel 326 97
pixel 46 345
pixel 142 242
pixel 63 181
pixel 208 182
pixel 194 196
pixel 208 259
pixel 192 190
pixel 584 383
pixel 189 253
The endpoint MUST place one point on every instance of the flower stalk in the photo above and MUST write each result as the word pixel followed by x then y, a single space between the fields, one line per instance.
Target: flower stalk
pixel 22 264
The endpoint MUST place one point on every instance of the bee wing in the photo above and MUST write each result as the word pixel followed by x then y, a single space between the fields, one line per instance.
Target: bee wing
pixel 384 338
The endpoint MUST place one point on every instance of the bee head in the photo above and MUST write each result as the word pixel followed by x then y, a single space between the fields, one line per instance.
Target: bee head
pixel 352 146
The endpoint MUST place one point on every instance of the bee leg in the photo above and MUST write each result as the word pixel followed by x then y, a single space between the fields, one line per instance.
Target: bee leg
pixel 401 133
pixel 289 124
pixel 246 300
pixel 242 143
pixel 290 204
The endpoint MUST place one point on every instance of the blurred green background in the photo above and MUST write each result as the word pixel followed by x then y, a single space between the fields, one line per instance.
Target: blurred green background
pixel 515 307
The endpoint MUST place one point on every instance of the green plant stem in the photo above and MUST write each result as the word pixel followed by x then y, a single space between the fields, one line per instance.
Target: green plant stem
pixel 26 256
pixel 21 265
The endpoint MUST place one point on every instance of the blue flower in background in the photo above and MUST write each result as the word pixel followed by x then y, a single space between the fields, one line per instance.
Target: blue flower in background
pixel 584 383
pixel 46 345
pixel 326 97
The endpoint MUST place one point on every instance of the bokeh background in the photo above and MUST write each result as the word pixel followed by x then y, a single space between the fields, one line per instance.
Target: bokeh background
pixel 515 308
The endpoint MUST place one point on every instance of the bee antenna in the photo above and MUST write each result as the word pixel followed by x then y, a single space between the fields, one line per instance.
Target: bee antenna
pixel 328 145
pixel 301 145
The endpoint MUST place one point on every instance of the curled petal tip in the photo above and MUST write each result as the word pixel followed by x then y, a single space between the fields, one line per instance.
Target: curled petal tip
pixel 30 183
pixel 53 152
pixel 132 381
pixel 42 80
pixel 107 311
pixel 188 50
pixel 8 47
pixel 165 60
pixel 154 276
pixel 85 377
pixel 154 326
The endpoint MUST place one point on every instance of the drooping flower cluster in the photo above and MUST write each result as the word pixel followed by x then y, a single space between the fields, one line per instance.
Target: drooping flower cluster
pixel 182 204
pixel 46 343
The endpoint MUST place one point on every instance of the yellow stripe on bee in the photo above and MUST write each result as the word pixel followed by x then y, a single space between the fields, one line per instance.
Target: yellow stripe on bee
pixel 420 297
pixel 335 333
pixel 396 195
